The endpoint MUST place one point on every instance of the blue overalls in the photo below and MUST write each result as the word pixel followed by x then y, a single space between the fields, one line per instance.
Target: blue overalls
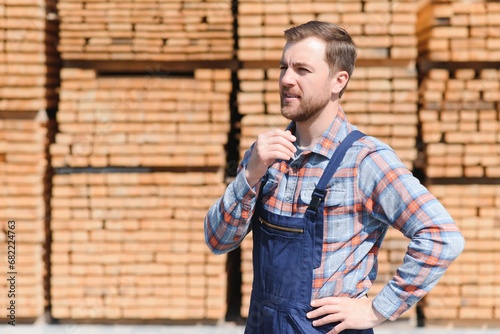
pixel 286 250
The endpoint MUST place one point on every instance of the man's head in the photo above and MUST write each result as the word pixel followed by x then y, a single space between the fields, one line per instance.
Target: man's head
pixel 340 51
pixel 317 62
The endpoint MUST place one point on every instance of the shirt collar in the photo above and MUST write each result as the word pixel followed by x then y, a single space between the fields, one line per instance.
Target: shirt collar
pixel 331 138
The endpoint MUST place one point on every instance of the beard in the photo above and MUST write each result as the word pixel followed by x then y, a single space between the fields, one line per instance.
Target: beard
pixel 306 108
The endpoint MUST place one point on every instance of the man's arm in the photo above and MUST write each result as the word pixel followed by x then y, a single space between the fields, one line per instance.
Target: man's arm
pixel 393 195
pixel 228 220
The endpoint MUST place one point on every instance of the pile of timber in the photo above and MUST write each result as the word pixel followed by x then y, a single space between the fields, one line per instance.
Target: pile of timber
pixel 153 121
pixel 459 31
pixel 460 122
pixel 469 291
pixel 381 101
pixel 382 29
pixel 146 30
pixel 24 187
pixel 130 246
pixel 28 56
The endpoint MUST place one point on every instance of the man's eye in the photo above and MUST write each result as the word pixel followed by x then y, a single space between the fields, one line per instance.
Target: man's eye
pixel 283 67
pixel 303 69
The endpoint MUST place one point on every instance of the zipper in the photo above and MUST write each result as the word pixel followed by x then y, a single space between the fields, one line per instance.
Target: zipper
pixel 281 228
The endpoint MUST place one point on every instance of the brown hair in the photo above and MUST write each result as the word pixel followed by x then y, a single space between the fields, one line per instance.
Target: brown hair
pixel 340 48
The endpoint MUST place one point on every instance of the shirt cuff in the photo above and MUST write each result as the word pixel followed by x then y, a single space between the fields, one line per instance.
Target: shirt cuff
pixel 242 191
pixel 389 304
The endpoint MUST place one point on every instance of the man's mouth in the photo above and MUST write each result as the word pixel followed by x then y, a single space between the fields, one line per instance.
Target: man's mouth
pixel 290 96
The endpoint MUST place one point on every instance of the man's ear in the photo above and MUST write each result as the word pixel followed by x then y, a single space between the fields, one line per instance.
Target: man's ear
pixel 339 81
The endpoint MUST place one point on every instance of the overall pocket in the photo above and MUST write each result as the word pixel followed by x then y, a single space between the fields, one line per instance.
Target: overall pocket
pixel 281 261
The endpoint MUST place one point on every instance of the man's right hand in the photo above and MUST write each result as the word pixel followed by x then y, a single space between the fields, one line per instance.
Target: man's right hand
pixel 270 146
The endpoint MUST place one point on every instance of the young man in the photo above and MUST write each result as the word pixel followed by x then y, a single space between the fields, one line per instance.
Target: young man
pixel 320 210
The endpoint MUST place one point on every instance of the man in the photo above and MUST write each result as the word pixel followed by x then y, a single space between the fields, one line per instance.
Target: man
pixel 317 227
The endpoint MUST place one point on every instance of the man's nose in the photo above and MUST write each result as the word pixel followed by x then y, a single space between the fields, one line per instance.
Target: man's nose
pixel 287 77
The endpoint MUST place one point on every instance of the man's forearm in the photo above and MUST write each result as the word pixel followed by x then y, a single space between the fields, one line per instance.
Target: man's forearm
pixel 228 220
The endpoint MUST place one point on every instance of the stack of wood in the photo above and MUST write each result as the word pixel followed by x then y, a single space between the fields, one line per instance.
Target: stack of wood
pixel 131 246
pixel 28 77
pixel 153 121
pixel 382 29
pixel 470 288
pixel 146 30
pixel 259 104
pixel 150 225
pixel 459 31
pixel 381 101
pixel 460 122
pixel 28 59
pixel 23 164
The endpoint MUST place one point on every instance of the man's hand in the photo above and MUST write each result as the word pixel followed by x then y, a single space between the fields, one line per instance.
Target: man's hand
pixel 351 313
pixel 270 146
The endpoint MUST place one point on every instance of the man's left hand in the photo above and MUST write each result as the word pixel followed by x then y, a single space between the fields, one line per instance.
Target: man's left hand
pixel 350 313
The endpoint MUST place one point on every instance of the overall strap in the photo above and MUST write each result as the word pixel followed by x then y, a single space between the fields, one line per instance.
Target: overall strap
pixel 319 193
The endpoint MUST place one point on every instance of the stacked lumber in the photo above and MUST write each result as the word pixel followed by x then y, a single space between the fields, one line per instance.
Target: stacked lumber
pixel 131 246
pixel 149 225
pixel 470 289
pixel 23 163
pixel 381 101
pixel 28 58
pixel 152 120
pixel 459 31
pixel 381 29
pixel 459 118
pixel 146 30
pixel 460 122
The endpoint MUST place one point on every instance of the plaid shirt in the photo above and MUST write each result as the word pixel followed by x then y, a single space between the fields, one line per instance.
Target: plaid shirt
pixel 371 190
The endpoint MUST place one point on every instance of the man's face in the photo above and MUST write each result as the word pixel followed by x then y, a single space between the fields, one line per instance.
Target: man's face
pixel 305 82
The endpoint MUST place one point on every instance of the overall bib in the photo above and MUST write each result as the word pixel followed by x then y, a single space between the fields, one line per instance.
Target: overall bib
pixel 286 250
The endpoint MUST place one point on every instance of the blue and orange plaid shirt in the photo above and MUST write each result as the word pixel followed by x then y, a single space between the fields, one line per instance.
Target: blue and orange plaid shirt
pixel 371 191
